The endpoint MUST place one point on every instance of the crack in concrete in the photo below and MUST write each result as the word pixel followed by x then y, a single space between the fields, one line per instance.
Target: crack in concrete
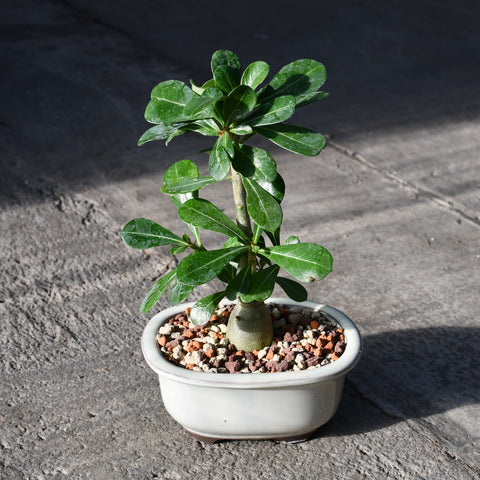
pixel 412 187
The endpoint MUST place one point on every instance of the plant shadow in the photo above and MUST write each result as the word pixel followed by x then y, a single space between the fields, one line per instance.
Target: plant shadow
pixel 407 374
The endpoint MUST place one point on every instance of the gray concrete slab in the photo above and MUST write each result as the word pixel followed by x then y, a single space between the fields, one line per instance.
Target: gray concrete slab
pixel 395 197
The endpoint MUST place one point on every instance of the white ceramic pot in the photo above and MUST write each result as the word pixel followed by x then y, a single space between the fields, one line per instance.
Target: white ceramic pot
pixel 279 405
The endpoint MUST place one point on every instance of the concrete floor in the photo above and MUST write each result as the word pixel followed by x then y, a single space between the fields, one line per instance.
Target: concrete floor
pixel 395 198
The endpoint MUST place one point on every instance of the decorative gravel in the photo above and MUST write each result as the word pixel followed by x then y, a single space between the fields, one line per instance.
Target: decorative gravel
pixel 303 339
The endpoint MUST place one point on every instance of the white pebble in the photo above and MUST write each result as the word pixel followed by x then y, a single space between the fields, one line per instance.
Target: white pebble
pixel 276 313
pixel 276 357
pixel 215 328
pixel 222 327
pixel 207 347
pixel 308 333
pixel 221 351
pixel 261 353
pixel 178 353
pixel 166 329
pixel 299 359
pixel 194 357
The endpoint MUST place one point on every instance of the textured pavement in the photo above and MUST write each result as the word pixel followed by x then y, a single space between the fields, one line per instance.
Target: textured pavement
pixel 395 198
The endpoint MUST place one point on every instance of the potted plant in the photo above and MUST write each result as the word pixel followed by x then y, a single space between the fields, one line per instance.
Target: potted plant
pixel 232 107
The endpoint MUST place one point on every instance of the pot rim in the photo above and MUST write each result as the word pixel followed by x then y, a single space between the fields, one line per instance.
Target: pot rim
pixel 340 367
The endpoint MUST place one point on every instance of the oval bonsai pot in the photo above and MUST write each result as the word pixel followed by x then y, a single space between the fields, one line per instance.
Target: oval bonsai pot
pixel 287 406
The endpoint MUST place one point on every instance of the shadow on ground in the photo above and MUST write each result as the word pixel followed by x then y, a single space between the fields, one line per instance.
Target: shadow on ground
pixel 77 76
pixel 408 374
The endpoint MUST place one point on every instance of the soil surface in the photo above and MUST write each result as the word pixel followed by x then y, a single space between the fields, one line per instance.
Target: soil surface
pixel 302 339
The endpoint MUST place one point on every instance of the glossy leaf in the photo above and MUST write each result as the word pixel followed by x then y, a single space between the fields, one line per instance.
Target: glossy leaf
pixel 219 161
pixel 224 57
pixel 292 240
pixel 240 284
pixel 206 126
pixel 264 209
pixel 180 169
pixel 203 310
pixel 241 130
pixel 303 100
pixel 158 132
pixel 275 188
pixel 254 163
pixel 239 103
pixel 205 214
pixel 228 145
pixel 206 101
pixel 304 261
pixel 179 293
pixel 226 78
pixel 295 139
pixel 168 101
pixel 293 289
pixel 203 266
pixel 142 233
pixel 186 184
pixel 255 74
pixel 157 291
pixel 297 78
pixel 262 284
pixel 279 110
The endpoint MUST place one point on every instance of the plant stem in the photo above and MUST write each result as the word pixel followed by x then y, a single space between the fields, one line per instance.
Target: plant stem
pixel 243 218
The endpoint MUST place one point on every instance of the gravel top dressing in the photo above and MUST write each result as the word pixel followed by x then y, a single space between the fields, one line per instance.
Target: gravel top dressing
pixel 302 339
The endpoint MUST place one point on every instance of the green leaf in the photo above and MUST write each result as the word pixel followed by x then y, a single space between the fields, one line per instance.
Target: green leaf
pixel 224 57
pixel 207 127
pixel 239 102
pixel 186 184
pixel 228 145
pixel 304 261
pixel 177 250
pixel 240 284
pixel 295 139
pixel 297 78
pixel 219 161
pixel 205 214
pixel 179 293
pixel 262 285
pixel 159 132
pixel 157 291
pixel 203 310
pixel 226 78
pixel 203 266
pixel 269 113
pixel 141 233
pixel 276 188
pixel 264 209
pixel 168 101
pixel 254 163
pixel 303 100
pixel 293 289
pixel 255 74
pixel 205 102
pixel 292 240
pixel 180 169
pixel 242 130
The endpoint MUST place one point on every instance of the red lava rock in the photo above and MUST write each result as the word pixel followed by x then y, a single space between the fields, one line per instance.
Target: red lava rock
pixel 172 344
pixel 313 361
pixel 217 363
pixel 290 357
pixel 329 347
pixel 314 324
pixel 193 345
pixel 250 356
pixel 339 347
pixel 270 354
pixel 233 367
pixel 162 341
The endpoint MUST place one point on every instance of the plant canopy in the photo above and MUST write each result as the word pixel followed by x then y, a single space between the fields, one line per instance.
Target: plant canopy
pixel 232 107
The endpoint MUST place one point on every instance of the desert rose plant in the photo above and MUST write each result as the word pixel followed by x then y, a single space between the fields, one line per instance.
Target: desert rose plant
pixel 232 107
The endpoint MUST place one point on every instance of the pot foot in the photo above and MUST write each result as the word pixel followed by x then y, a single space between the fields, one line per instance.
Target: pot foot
pixel 292 439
